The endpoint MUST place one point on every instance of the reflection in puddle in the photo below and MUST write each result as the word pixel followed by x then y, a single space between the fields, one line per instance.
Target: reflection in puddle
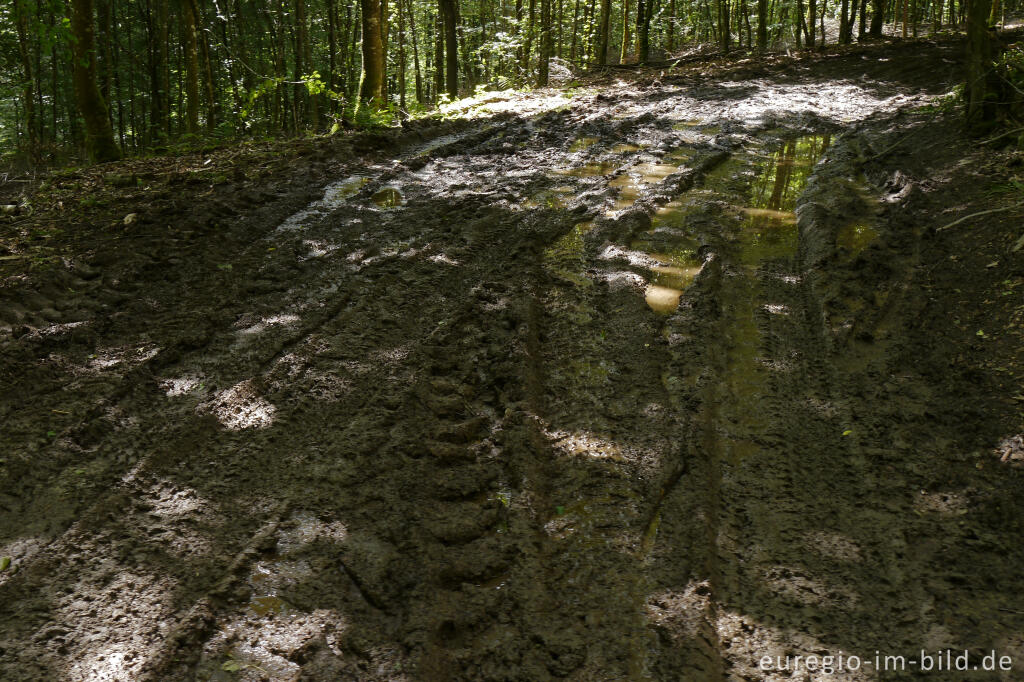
pixel 555 197
pixel 334 194
pixel 768 232
pixel 668 282
pixel 633 182
pixel 769 229
pixel 388 197
pixel 566 256
pixel 339 191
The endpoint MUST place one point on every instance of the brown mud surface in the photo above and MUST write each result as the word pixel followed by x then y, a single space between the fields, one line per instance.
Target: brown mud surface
pixel 664 380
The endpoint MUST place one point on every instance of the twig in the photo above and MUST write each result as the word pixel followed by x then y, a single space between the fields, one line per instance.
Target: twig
pixel 999 137
pixel 979 213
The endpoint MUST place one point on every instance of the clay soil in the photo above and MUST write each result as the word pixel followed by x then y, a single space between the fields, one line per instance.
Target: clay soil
pixel 676 372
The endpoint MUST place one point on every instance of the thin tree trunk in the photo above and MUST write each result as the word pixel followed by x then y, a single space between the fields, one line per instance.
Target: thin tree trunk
pixel 415 52
pixel 401 59
pixel 27 93
pixel 626 37
pixel 191 56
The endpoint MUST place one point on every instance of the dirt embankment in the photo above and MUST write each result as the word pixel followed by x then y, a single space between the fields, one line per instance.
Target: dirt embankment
pixel 666 380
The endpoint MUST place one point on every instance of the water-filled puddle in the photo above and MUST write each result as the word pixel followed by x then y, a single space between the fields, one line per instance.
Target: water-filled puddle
pixel 667 284
pixel 339 191
pixel 566 257
pixel 632 183
pixel 582 143
pixel 626 148
pixel 555 197
pixel 854 238
pixel 767 236
pixel 388 197
pixel 769 228
pixel 334 195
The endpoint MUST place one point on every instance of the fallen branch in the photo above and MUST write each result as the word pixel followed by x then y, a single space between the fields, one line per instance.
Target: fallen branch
pixel 979 213
pixel 999 137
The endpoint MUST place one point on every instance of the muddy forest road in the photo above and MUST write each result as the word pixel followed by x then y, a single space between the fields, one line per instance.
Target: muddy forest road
pixel 622 391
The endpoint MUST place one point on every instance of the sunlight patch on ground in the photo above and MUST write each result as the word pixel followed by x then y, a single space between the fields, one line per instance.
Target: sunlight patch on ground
pixel 240 407
pixel 180 386
pixel 139 610
pixel 833 545
pixel 266 322
pixel 128 356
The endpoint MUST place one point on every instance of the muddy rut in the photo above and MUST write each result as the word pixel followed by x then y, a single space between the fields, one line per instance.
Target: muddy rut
pixel 619 391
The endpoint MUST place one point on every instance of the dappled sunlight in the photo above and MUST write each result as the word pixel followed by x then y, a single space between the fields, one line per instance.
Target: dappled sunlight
pixel 833 546
pixel 246 327
pixel 121 357
pixel 180 386
pixel 240 407
pixel 138 611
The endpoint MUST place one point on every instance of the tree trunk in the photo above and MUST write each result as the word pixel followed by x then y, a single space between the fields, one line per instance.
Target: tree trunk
pixel 191 67
pixel 438 57
pixel 762 25
pixel 877 18
pixel 545 43
pixel 373 54
pixel 415 51
pixel 625 32
pixel 603 32
pixel 99 135
pixel 401 59
pixel 981 89
pixel 448 19
pixel 209 82
pixel 812 16
pixel 724 25
pixel 844 21
pixel 28 95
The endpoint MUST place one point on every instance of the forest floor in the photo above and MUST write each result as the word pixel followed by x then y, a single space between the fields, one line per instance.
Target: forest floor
pixel 646 379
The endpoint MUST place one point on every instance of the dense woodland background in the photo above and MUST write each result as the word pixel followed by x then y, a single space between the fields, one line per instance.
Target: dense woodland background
pixel 107 78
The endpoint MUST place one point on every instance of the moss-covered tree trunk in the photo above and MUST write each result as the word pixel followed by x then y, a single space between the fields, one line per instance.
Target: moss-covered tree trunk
pixel 982 90
pixel 373 54
pixel 99 135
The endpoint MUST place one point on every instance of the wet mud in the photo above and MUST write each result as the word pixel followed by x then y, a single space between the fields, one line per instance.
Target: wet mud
pixel 634 389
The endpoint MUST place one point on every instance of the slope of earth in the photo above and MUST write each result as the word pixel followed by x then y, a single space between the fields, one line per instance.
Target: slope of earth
pixel 656 384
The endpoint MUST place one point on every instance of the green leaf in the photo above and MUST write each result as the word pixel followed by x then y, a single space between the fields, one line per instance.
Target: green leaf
pixel 224 266
pixel 334 128
pixel 559 510
pixel 231 666
pixel 51 434
pixel 847 432
pixel 5 563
